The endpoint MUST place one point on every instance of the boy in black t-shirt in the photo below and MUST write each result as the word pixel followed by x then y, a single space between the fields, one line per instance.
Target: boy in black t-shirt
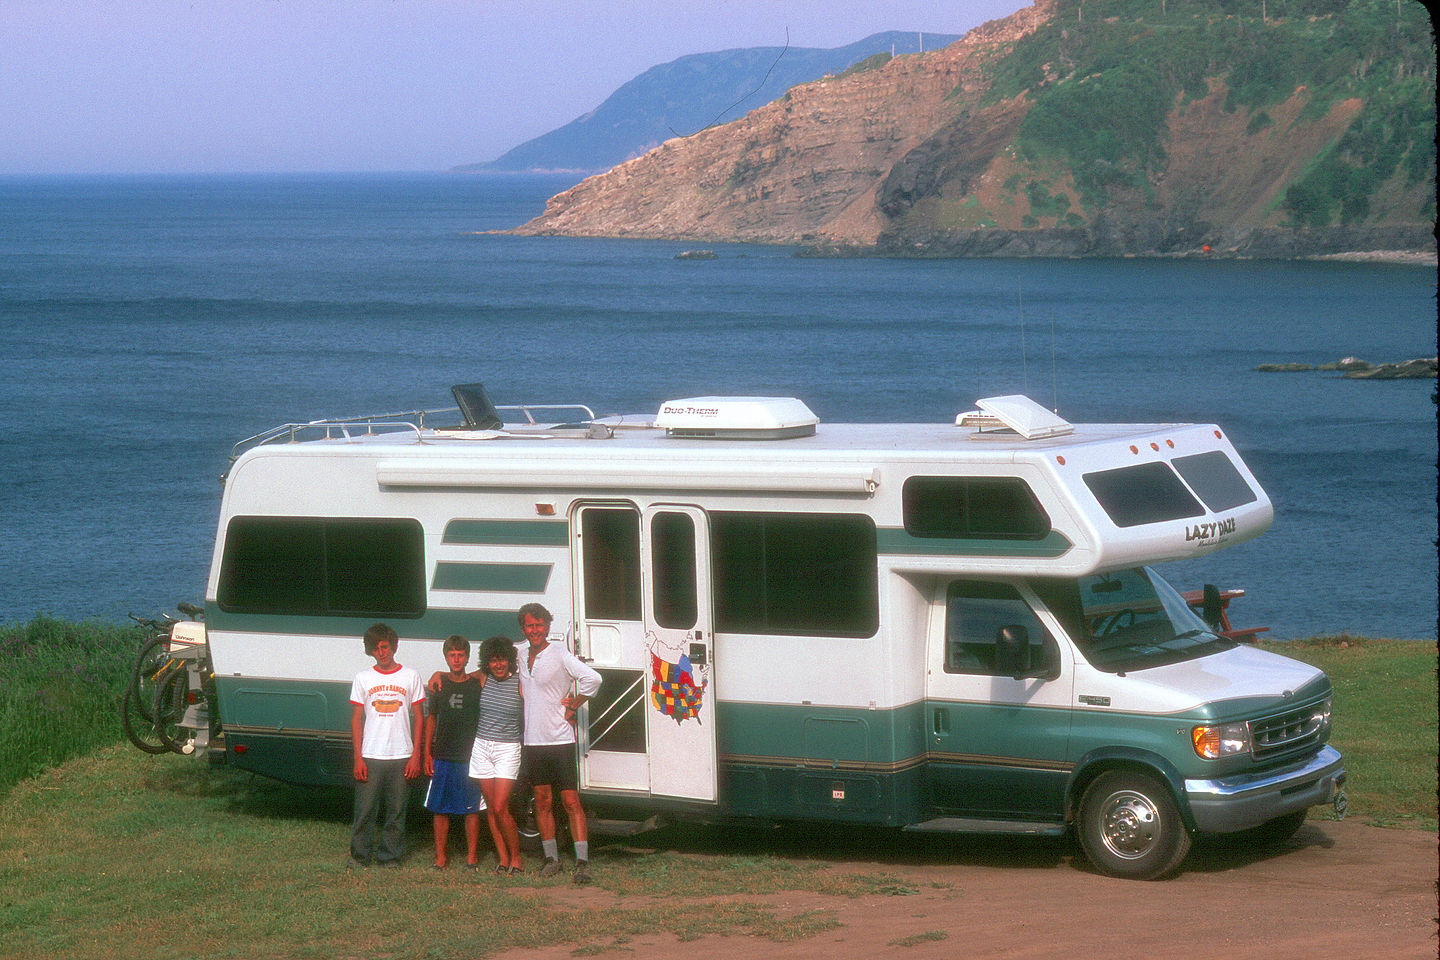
pixel 452 712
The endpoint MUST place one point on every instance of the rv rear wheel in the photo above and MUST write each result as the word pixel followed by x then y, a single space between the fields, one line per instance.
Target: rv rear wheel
pixel 1130 827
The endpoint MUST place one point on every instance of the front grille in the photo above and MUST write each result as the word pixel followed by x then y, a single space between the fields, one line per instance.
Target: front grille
pixel 1287 732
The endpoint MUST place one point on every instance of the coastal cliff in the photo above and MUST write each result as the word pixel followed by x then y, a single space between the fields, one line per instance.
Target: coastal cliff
pixel 1165 129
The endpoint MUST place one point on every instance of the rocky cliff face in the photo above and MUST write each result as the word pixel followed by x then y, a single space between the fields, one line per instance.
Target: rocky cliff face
pixel 913 158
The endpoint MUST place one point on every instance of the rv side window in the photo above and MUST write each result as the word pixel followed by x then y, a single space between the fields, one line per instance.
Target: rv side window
pixel 975 611
pixel 611 556
pixel 334 567
pixel 971 508
pixel 1215 479
pixel 792 574
pixel 1144 493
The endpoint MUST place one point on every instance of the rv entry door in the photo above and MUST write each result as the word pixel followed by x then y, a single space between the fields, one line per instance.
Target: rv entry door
pixel 679 652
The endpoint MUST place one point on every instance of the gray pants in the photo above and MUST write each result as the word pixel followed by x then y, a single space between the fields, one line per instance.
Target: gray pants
pixel 386 787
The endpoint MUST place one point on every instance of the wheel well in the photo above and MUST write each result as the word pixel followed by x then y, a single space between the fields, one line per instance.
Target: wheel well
pixel 1087 775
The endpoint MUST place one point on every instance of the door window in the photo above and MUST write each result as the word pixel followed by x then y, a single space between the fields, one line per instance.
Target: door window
pixel 672 561
pixel 610 540
pixel 975 612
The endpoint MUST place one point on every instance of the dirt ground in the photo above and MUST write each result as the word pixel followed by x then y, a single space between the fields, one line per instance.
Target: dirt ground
pixel 1335 890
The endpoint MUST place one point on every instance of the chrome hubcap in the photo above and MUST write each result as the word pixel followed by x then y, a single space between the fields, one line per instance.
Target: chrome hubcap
pixel 1129 824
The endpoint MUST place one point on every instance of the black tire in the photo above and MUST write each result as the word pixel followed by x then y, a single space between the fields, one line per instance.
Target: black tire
pixel 1130 827
pixel 170 704
pixel 148 674
pixel 138 730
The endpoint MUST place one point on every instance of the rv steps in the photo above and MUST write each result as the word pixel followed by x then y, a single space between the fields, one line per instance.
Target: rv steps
pixel 1036 828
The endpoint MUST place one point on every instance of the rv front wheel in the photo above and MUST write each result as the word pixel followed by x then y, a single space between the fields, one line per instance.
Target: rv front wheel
pixel 1130 827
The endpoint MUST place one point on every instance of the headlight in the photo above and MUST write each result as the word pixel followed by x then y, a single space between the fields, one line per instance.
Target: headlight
pixel 1223 740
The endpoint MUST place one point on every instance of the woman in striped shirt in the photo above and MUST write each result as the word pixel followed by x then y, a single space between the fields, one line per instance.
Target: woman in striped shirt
pixel 495 758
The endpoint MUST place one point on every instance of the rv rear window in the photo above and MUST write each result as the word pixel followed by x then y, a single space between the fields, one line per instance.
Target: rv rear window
pixel 323 567
pixel 1144 493
pixel 787 574
pixel 973 508
pixel 1215 479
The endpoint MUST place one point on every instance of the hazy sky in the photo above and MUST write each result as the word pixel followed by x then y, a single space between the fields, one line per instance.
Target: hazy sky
pixel 298 85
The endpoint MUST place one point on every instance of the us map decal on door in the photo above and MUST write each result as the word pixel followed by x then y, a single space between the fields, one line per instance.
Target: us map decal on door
pixel 673 691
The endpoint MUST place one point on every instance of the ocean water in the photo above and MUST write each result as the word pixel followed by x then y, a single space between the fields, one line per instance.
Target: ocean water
pixel 147 324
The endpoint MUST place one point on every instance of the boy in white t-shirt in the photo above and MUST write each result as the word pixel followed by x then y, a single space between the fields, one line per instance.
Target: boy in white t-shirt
pixel 386 726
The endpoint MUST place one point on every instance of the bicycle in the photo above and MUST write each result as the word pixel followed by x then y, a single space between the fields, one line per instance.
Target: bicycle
pixel 156 704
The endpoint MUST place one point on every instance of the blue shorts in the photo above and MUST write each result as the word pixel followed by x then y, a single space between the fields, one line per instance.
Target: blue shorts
pixel 452 791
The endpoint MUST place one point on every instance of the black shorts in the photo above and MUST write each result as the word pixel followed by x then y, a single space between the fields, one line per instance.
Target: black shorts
pixel 552 763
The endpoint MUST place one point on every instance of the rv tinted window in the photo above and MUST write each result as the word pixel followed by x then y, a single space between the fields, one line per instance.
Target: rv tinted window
pixel 324 567
pixel 1215 479
pixel 971 508
pixel 795 574
pixel 610 541
pixel 672 560
pixel 1144 493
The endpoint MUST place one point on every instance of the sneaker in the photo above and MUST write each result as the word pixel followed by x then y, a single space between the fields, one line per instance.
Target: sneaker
pixel 551 867
pixel 582 872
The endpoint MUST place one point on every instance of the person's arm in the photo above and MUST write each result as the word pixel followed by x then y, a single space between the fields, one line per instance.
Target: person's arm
pixel 430 745
pixel 357 734
pixel 417 728
pixel 587 683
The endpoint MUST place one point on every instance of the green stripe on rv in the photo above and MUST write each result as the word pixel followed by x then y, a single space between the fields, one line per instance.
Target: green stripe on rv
pixel 499 577
pixel 528 533
pixel 434 624
pixel 894 540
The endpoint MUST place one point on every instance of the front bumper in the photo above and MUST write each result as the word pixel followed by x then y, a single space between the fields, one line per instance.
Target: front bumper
pixel 1248 800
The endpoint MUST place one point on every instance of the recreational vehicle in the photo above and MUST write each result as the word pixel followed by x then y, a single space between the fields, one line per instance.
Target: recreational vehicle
pixel 947 627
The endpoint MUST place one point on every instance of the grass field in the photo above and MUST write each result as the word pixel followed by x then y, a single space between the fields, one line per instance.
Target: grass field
pixel 114 854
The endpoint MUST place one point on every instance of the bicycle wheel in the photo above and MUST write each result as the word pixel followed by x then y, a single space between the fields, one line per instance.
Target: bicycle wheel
pixel 170 704
pixel 138 730
pixel 148 674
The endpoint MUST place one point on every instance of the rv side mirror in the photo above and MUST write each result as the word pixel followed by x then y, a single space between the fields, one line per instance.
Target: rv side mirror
pixel 1012 651
pixel 1210 607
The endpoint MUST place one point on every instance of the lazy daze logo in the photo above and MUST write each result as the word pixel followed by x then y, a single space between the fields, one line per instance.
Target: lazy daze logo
pixel 1210 533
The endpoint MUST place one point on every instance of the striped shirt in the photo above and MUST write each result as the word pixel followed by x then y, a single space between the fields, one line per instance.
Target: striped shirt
pixel 500 708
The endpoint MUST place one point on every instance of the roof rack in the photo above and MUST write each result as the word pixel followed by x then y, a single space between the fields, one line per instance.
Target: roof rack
pixel 413 421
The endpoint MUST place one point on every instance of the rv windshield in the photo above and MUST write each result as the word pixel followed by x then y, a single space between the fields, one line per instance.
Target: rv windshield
pixel 1131 619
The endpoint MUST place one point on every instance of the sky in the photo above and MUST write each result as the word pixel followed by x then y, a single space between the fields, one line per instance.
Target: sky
pixel 242 86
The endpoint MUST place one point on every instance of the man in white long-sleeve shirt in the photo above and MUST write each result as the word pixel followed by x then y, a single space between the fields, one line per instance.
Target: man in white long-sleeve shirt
pixel 547 672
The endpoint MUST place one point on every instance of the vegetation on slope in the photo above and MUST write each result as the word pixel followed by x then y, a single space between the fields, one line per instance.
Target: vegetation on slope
pixel 1103 75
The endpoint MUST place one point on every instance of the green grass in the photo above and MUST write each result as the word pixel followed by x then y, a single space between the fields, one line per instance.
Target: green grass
pixel 60 686
pixel 121 855
pixel 1385 722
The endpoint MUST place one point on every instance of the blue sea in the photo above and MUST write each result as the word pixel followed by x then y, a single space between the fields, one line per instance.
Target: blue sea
pixel 147 324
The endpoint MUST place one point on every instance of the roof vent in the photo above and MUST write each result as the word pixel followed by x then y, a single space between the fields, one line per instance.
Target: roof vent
pixel 1015 414
pixel 475 407
pixel 737 418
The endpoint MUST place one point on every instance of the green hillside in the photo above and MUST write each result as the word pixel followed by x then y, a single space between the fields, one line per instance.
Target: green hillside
pixel 1104 75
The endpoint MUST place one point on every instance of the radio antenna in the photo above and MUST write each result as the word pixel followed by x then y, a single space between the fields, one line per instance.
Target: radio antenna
pixel 1024 360
pixel 1054 388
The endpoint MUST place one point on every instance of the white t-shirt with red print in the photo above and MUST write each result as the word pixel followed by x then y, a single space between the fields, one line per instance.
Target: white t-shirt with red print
pixel 386 698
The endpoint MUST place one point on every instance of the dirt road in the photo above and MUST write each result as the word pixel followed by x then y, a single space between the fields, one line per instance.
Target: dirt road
pixel 1335 890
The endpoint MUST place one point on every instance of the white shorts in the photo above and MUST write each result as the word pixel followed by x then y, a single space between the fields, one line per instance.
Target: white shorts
pixel 494 760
